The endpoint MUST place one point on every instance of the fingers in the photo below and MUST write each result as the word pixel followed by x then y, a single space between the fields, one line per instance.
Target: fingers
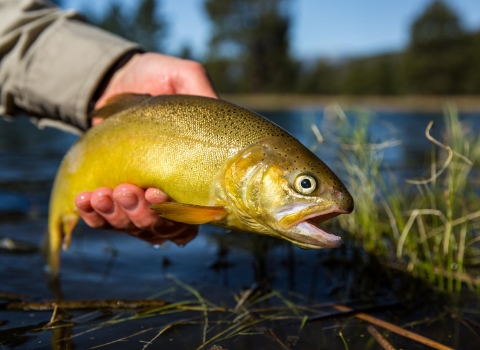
pixel 192 79
pixel 154 195
pixel 132 201
pixel 157 74
pixel 127 208
pixel 103 211
pixel 85 208
pixel 96 121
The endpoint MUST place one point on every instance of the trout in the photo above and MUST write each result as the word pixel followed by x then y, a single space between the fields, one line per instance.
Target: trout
pixel 220 163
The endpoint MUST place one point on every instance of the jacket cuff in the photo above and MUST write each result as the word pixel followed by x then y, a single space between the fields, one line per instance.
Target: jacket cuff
pixel 70 61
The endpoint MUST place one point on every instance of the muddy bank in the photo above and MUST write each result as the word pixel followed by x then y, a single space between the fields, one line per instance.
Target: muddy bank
pixel 278 102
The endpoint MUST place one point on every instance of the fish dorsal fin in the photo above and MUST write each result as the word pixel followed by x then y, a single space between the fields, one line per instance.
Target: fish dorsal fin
pixel 189 213
pixel 118 103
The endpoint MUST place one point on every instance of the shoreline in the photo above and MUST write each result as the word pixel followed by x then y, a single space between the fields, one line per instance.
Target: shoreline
pixel 278 102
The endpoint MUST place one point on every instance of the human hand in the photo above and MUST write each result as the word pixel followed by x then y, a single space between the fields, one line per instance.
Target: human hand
pixel 127 208
pixel 154 74
pixel 157 74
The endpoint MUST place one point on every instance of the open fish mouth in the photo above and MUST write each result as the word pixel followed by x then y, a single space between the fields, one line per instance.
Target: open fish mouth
pixel 303 229
pixel 318 236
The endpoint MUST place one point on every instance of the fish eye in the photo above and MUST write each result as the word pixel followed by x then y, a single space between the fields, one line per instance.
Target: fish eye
pixel 305 184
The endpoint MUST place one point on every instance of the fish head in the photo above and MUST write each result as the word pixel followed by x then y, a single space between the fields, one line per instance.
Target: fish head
pixel 284 190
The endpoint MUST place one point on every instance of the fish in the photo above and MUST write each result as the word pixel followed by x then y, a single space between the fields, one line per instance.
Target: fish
pixel 220 164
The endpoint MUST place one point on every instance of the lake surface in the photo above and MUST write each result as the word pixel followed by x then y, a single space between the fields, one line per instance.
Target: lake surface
pixel 105 265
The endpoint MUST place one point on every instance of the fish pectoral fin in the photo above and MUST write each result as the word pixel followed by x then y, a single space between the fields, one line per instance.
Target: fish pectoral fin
pixel 189 213
pixel 118 103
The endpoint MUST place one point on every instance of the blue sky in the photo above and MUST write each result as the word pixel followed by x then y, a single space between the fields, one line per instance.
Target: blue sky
pixel 331 28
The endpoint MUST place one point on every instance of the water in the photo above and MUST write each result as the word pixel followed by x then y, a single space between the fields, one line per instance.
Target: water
pixel 106 265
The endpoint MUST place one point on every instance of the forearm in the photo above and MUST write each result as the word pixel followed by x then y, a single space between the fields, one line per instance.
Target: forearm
pixel 51 63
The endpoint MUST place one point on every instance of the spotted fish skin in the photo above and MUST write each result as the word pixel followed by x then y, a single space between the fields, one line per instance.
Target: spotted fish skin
pixel 204 153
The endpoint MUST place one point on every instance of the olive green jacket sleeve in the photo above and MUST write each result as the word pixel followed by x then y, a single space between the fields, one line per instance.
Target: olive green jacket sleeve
pixel 52 63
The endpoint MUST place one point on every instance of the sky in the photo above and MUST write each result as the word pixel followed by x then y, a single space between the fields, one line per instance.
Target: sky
pixel 320 28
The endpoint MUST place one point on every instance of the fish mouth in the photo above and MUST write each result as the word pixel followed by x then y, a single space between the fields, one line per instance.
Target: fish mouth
pixel 302 227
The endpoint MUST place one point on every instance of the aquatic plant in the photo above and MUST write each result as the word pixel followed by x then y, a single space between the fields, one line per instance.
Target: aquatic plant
pixel 427 226
pixel 282 321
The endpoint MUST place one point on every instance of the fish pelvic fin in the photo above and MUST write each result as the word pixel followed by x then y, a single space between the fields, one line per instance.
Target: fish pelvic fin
pixel 69 221
pixel 118 103
pixel 189 213
pixel 60 231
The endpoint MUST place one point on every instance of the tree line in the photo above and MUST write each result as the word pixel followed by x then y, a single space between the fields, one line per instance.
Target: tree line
pixel 249 52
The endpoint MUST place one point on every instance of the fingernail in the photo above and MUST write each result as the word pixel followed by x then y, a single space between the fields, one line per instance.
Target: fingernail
pixel 127 201
pixel 155 195
pixel 104 205
pixel 83 204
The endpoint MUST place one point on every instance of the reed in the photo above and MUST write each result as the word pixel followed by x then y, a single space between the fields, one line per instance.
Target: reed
pixel 255 313
pixel 428 226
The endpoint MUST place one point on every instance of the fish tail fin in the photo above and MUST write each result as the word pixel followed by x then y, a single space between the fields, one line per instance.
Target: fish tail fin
pixel 60 230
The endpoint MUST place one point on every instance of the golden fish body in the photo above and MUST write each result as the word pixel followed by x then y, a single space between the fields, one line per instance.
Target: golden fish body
pixel 220 163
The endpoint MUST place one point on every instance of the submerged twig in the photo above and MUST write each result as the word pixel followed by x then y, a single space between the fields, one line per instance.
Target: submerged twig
pixel 236 329
pixel 167 327
pixel 124 338
pixel 84 304
pixel 393 328
pixel 245 295
pixel 380 338
pixel 274 336
pixel 52 319
pixel 11 296
pixel 351 311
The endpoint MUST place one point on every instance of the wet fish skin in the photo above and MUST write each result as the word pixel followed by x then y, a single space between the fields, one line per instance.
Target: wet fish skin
pixel 220 163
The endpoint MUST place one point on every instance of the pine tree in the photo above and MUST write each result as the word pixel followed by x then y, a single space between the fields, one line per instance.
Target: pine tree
pixel 253 36
pixel 435 62
pixel 145 26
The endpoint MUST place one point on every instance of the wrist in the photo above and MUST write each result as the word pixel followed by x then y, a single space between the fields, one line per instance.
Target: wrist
pixel 102 87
